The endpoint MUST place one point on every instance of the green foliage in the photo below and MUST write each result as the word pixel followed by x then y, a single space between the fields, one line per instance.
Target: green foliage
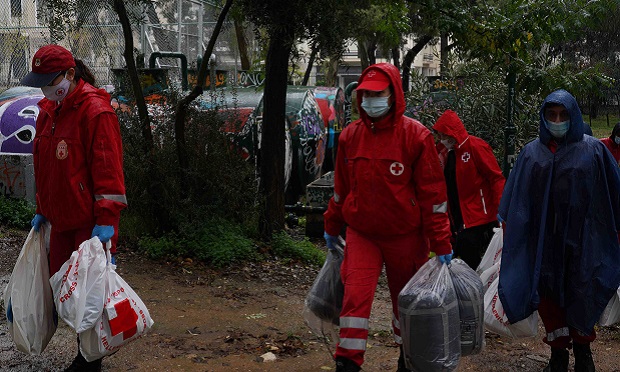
pixel 284 246
pixel 216 241
pixel 16 212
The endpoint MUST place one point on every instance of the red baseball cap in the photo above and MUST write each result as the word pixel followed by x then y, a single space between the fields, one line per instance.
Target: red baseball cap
pixel 374 80
pixel 47 63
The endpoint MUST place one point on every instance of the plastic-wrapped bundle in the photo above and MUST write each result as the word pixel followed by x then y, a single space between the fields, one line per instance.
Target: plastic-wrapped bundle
pixel 611 314
pixel 324 300
pixel 469 291
pixel 429 320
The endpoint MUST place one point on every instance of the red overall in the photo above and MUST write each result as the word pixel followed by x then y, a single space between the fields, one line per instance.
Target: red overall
pixel 390 191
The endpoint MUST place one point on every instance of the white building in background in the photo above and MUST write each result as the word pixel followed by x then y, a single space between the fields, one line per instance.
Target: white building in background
pixel 426 63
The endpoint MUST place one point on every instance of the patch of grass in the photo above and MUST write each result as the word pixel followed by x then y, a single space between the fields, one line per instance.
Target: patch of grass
pixel 284 246
pixel 599 125
pixel 16 212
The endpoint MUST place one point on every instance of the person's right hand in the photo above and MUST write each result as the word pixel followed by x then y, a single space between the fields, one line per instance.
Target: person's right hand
pixel 331 240
pixel 446 258
pixel 37 221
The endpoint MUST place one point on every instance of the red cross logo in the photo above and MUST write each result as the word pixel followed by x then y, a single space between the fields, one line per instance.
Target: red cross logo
pixel 371 73
pixel 125 320
pixel 465 157
pixel 397 168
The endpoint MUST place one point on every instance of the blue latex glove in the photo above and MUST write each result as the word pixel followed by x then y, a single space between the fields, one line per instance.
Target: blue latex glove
pixel 104 233
pixel 37 221
pixel 446 258
pixel 331 240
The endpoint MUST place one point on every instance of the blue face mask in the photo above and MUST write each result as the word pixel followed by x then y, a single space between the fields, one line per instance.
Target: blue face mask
pixel 617 140
pixel 376 107
pixel 558 130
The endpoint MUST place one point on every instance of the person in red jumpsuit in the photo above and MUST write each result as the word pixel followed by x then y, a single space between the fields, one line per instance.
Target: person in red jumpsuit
pixel 78 160
pixel 390 192
pixel 613 142
pixel 475 184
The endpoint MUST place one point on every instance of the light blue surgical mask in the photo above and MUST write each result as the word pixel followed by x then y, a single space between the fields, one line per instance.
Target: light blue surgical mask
pixel 558 130
pixel 376 107
pixel 617 140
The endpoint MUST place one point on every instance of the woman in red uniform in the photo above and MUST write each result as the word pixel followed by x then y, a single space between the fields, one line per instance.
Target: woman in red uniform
pixel 390 192
pixel 613 142
pixel 78 160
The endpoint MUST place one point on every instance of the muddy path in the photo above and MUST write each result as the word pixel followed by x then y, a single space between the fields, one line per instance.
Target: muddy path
pixel 208 320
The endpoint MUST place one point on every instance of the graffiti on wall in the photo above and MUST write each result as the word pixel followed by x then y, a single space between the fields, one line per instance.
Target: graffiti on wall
pixel 250 79
pixel 18 118
pixel 12 179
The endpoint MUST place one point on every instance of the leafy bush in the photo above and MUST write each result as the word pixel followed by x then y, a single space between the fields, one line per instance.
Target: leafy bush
pixel 284 246
pixel 16 212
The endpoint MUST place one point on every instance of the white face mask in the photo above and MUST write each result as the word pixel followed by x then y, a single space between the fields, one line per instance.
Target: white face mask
pixel 448 143
pixel 57 92
pixel 376 107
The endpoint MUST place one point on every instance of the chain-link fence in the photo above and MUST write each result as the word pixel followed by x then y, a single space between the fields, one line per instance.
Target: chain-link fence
pixel 98 40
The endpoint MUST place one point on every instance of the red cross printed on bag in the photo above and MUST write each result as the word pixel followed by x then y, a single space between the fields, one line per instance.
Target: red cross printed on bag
pixel 397 168
pixel 465 157
pixel 124 320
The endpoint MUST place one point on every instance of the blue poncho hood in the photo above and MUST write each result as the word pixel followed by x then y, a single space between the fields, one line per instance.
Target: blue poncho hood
pixel 562 213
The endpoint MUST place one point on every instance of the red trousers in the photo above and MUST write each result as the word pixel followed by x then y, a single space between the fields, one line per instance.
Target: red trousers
pixel 63 243
pixel 559 333
pixel 364 258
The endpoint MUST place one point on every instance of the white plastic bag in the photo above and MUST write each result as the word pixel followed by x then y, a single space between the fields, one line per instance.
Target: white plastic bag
pixel 494 251
pixel 496 321
pixel 489 275
pixel 28 301
pixel 124 318
pixel 79 286
pixel 611 314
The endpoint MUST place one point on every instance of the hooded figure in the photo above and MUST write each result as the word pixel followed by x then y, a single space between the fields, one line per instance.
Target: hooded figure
pixel 561 207
pixel 475 184
pixel 613 142
pixel 390 192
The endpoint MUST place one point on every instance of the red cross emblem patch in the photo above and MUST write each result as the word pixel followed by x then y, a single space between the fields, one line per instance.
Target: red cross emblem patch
pixel 465 157
pixel 397 168
pixel 62 150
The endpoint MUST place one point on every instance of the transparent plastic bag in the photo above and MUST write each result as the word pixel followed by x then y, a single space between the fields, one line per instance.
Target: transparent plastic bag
pixel 323 303
pixel 429 320
pixel 79 285
pixel 28 300
pixel 470 295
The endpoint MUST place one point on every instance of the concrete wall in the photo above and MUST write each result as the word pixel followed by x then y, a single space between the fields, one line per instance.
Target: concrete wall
pixel 17 176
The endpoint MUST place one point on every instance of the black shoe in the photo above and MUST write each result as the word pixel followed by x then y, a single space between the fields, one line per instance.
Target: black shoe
pixel 346 365
pixel 402 367
pixel 80 364
pixel 583 358
pixel 558 361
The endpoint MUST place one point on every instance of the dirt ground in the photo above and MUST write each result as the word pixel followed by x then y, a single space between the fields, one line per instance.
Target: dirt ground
pixel 208 321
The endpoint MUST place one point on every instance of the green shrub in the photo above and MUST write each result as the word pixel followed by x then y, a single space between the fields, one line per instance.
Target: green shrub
pixel 217 242
pixel 284 246
pixel 16 212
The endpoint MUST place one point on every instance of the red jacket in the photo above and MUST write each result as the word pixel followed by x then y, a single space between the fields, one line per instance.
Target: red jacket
pixel 388 180
pixel 78 160
pixel 479 179
pixel 613 147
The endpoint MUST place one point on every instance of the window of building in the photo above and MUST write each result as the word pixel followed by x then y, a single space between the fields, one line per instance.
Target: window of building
pixel 16 8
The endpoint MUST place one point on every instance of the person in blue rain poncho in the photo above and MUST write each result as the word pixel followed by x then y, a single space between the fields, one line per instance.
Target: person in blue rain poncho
pixel 561 209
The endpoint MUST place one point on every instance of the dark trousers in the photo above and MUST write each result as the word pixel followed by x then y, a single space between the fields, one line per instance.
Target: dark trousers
pixel 470 244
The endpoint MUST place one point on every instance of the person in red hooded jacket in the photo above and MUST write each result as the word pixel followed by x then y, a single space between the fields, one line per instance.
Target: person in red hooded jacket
pixel 390 192
pixel 78 160
pixel 613 142
pixel 475 184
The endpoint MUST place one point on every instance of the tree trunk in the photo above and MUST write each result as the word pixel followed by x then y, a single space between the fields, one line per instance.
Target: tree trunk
pixel 410 56
pixel 182 105
pixel 271 165
pixel 396 57
pixel 444 54
pixel 242 43
pixel 310 64
pixel 363 54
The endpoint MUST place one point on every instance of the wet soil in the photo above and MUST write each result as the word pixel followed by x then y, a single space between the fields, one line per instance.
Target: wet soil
pixel 224 320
